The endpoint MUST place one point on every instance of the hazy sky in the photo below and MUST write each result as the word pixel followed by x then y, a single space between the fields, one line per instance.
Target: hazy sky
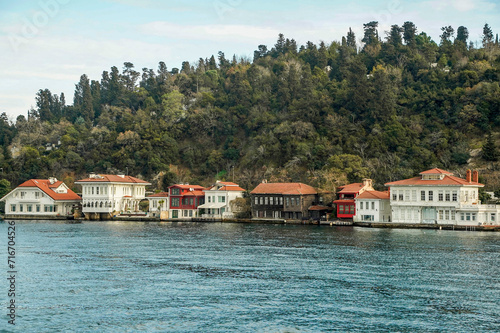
pixel 51 43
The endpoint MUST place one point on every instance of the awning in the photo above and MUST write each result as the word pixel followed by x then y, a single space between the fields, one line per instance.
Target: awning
pixel 212 205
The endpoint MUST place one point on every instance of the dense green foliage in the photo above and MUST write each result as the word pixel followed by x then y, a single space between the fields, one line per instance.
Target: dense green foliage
pixel 322 114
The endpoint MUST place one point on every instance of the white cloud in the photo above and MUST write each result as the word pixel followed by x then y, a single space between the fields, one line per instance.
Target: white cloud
pixel 213 32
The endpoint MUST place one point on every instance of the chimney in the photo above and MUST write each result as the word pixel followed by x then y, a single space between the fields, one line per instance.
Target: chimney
pixel 469 177
pixel 52 180
pixel 367 183
pixel 475 176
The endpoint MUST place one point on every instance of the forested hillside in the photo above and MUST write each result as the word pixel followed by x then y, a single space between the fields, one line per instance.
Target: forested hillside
pixel 395 105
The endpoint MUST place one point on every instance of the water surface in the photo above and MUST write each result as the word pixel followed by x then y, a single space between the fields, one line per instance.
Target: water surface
pixel 213 277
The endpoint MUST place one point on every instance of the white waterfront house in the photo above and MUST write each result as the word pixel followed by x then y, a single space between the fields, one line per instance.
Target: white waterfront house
pixel 158 204
pixel 111 194
pixel 373 206
pixel 438 197
pixel 41 198
pixel 218 200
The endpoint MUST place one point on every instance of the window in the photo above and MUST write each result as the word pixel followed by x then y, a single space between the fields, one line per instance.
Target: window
pixel 29 208
pixel 413 195
pixel 185 213
pixel 373 205
pixel 256 200
pixel 37 195
pixel 473 216
pixel 452 215
pixel 175 191
pixel 341 209
pixel 191 201
pixel 462 216
pixel 400 195
pixel 440 214
pixel 394 197
pixel 447 196
pixel 281 200
pixel 266 200
pixel 454 196
pixel 287 202
pixel 261 200
pixel 351 210
pixel 23 195
pixel 190 213
pixel 440 196
pixel 21 208
pixel 422 195
pixel 175 214
pixel 209 198
pixel 493 217
pixel 12 208
pixel 272 201
pixel 446 214
pixel 175 202
pixel 361 205
pixel 431 195
pixel 38 208
pixel 97 190
pixel 407 195
pixel 467 216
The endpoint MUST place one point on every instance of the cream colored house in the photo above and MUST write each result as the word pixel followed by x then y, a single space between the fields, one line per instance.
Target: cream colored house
pixel 111 194
pixel 372 206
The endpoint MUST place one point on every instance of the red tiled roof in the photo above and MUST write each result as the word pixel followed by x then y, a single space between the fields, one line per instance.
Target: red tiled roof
pixel 436 171
pixel 351 188
pixel 228 183
pixel 373 195
pixel 446 181
pixel 158 195
pixel 113 179
pixel 194 193
pixel 47 188
pixel 231 188
pixel 283 188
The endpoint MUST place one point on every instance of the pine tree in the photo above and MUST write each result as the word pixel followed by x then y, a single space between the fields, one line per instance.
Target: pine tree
pixel 490 152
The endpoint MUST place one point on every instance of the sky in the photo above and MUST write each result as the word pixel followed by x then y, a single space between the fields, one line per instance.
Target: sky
pixel 49 44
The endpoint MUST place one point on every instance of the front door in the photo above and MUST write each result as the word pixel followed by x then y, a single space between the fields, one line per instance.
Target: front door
pixel 429 215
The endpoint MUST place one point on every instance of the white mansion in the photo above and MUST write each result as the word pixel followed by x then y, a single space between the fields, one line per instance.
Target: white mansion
pixel 111 194
pixel 438 197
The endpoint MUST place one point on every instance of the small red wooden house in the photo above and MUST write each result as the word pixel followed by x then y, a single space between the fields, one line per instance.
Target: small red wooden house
pixel 184 200
pixel 346 207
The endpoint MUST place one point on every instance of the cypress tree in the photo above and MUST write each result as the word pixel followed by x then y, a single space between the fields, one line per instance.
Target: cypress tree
pixel 490 152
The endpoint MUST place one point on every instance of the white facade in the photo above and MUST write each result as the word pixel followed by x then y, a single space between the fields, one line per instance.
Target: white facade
pixel 112 194
pixel 445 200
pixel 372 208
pixel 158 203
pixel 218 200
pixel 40 197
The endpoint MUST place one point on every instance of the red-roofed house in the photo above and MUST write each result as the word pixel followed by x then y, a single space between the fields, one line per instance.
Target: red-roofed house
pixel 282 200
pixel 218 200
pixel 373 206
pixel 438 197
pixel 109 195
pixel 346 206
pixel 41 198
pixel 184 200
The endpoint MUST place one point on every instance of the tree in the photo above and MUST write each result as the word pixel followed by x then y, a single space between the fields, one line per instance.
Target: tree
pixel 490 152
pixel 487 36
pixel 351 39
pixel 83 99
pixel 371 33
pixel 462 34
pixel 409 34
pixel 394 36
pixel 448 33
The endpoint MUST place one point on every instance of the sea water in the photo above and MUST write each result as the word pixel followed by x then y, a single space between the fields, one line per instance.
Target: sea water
pixel 228 277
